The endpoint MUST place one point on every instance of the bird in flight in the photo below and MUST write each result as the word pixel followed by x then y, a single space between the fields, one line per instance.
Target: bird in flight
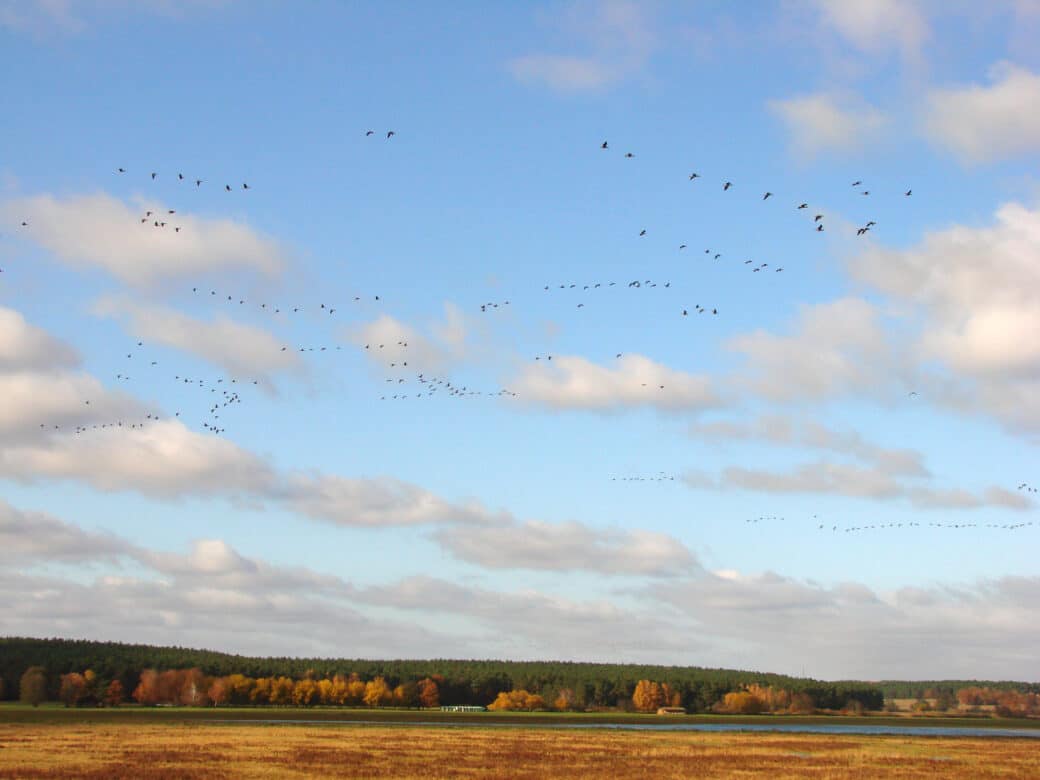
pixel 153 175
pixel 819 228
pixel 369 132
pixel 804 206
pixel 818 217
pixel 198 182
pixel 727 185
pixel 603 145
pixel 694 176
pixel 907 193
pixel 629 154
pixel 245 186
pixel 227 187
pixel 122 170
pixel 390 134
pixel 856 183
pixel 642 232
pixel 766 196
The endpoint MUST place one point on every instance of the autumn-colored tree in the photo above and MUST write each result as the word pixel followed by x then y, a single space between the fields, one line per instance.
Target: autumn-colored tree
pixel 429 693
pixel 377 693
pixel 147 690
pixel 261 691
pixel 73 689
pixel 219 692
pixel 239 687
pixel 648 696
pixel 114 694
pixel 517 700
pixel 739 703
pixel 193 687
pixel 565 700
pixel 672 697
pixel 801 704
pixel 305 692
pixel 355 692
pixel 281 691
pixel 340 690
pixel 406 695
pixel 771 699
pixel 325 691
pixel 32 687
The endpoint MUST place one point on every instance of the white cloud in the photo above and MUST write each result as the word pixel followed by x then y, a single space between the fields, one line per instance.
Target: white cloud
pixel 567 547
pixel 971 631
pixel 377 502
pixel 24 346
pixel 162 458
pixel 571 382
pixel 619 40
pixel 806 433
pixel 874 26
pixel 854 480
pixel 837 348
pixel 822 123
pixel 977 293
pixel 241 350
pixel 387 340
pixel 987 123
pixel 99 231
pixel 31 537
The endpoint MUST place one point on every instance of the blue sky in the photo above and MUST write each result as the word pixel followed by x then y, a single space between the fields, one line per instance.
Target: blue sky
pixel 879 379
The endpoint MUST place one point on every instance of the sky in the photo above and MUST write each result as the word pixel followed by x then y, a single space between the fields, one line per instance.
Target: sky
pixel 278 381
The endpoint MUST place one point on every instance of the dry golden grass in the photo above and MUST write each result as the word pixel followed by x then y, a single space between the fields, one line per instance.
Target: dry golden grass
pixel 148 752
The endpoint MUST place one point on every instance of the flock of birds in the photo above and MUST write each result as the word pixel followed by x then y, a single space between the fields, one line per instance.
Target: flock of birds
pixel 430 387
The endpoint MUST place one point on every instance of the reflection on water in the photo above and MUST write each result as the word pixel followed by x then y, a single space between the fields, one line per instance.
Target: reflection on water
pixel 796 728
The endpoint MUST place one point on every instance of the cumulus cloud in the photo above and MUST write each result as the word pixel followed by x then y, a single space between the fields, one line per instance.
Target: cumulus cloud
pixel 387 340
pixel 837 348
pixel 875 26
pixel 567 547
pixel 33 537
pixel 26 347
pixel 977 290
pixel 807 433
pixel 847 630
pixel 372 502
pixel 821 123
pixel 99 231
pixel 240 350
pixel 571 382
pixel 987 123
pixel 619 40
pixel 856 481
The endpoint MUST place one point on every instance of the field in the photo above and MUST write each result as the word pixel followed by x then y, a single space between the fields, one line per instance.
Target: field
pixel 52 742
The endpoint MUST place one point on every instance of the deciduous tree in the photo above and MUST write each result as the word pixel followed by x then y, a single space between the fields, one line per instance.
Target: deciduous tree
pixel 32 688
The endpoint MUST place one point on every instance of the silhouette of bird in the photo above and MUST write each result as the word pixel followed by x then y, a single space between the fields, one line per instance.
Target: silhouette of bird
pixel 682 246
pixel 245 186
pixel 369 132
pixel 642 232
pixel 603 145
pixel 804 206
pixel 694 176
pixel 390 134
pixel 856 183
pixel 153 175
pixel 227 187
pixel 180 177
pixel 766 196
pixel 907 193
pixel 818 217
pixel 727 185
pixel 629 154
pixel 122 170
pixel 198 182
pixel 819 228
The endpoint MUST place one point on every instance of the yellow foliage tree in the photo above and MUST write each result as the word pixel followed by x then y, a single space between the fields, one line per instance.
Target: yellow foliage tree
pixel 648 696
pixel 325 687
pixel 305 692
pixel 377 693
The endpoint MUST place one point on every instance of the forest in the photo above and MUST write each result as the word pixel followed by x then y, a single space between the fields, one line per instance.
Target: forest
pixel 475 682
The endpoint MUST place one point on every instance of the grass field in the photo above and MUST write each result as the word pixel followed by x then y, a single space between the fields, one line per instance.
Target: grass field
pixel 196 750
pixel 150 744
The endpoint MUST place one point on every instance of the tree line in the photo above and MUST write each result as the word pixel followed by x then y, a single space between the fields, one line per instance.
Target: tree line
pixel 466 682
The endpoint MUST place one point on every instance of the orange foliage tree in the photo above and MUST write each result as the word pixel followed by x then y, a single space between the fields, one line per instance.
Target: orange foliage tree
pixel 648 696
pixel 377 693
pixel 518 700
pixel 147 690
pixel 73 689
pixel 429 693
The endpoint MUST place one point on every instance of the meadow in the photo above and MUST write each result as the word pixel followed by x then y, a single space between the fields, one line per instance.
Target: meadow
pixel 141 743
